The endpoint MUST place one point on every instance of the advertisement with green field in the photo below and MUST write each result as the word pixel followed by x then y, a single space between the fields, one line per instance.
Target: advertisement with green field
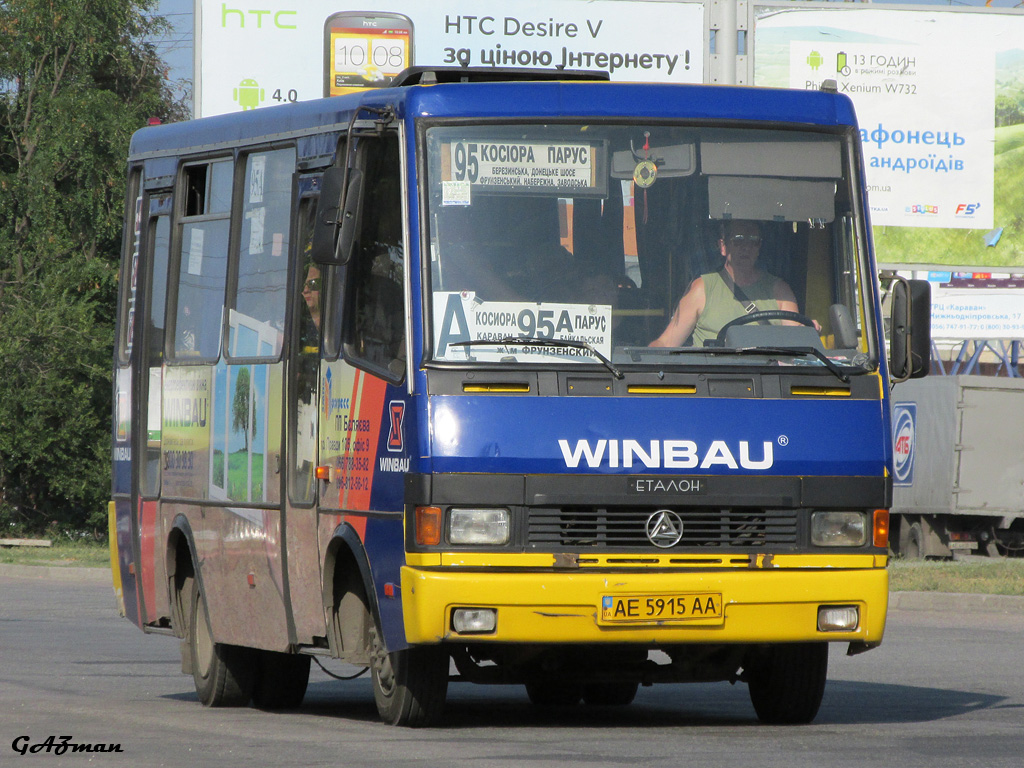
pixel 940 99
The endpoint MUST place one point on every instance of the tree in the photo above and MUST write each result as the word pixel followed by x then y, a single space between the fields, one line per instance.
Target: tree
pixel 77 77
pixel 242 415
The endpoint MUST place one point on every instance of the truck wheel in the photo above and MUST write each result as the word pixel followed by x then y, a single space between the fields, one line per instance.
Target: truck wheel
pixel 914 549
pixel 281 681
pixel 609 694
pixel 223 674
pixel 410 686
pixel 554 693
pixel 788 682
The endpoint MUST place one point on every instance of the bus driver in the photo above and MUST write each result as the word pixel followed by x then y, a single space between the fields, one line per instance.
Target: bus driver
pixel 715 298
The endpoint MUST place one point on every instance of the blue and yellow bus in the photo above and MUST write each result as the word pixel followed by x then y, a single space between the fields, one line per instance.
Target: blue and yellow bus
pixel 522 378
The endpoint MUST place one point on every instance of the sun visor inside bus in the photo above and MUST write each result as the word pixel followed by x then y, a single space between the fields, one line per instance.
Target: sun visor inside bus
pixel 760 199
pixel 789 159
pixel 671 161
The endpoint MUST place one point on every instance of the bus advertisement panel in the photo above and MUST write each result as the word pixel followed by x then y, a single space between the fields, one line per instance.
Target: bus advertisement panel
pixel 248 56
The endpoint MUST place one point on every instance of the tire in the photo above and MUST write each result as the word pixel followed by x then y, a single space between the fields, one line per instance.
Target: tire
pixel 788 682
pixel 281 680
pixel 554 693
pixel 609 694
pixel 410 686
pixel 224 674
pixel 914 549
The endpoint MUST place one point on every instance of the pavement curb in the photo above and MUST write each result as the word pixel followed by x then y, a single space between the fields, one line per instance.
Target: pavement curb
pixel 962 602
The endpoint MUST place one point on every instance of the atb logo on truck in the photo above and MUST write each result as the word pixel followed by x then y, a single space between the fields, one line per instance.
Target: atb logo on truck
pixel 904 428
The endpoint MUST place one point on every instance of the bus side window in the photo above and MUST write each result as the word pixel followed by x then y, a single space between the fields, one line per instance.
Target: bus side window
pixel 159 246
pixel 256 325
pixel 375 331
pixel 310 287
pixel 203 264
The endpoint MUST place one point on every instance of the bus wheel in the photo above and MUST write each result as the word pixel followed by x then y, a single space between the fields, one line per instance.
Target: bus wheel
pixel 223 674
pixel 617 694
pixel 281 681
pixel 554 693
pixel 787 682
pixel 410 686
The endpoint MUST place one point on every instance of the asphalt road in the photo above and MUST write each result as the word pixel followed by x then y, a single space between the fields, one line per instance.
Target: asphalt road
pixel 945 689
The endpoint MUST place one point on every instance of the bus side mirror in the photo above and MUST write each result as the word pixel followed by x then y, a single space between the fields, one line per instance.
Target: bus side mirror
pixel 338 215
pixel 328 216
pixel 351 218
pixel 910 329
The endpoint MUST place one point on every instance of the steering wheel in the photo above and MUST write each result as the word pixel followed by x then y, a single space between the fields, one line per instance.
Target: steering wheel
pixel 764 314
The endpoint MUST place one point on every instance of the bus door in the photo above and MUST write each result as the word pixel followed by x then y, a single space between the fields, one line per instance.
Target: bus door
pixel 301 517
pixel 144 344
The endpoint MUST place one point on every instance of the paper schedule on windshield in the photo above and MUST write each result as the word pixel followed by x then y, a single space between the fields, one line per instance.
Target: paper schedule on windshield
pixel 462 317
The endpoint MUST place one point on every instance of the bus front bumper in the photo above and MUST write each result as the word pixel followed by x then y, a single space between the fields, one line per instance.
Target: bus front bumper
pixel 777 604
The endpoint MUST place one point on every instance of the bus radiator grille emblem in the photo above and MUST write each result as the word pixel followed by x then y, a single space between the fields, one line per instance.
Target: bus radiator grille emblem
pixel 664 528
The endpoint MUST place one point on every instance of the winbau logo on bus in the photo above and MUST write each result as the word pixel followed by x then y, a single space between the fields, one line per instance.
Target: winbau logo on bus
pixel 668 454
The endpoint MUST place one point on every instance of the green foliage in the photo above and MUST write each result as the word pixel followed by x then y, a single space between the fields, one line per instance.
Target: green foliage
pixel 241 413
pixel 1009 110
pixel 76 80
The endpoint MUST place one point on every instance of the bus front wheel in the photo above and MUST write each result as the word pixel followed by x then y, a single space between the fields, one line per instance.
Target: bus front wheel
pixel 787 682
pixel 409 686
pixel 224 674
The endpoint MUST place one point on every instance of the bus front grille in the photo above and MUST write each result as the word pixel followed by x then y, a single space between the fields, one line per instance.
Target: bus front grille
pixel 615 528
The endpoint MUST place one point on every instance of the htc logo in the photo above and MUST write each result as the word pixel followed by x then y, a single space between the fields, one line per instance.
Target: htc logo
pixel 277 18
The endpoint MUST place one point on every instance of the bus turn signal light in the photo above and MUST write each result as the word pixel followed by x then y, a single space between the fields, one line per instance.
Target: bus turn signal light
pixel 881 528
pixel 428 526
pixel 323 472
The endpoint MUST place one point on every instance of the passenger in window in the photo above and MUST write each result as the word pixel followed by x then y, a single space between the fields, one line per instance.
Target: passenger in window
pixel 311 293
pixel 738 288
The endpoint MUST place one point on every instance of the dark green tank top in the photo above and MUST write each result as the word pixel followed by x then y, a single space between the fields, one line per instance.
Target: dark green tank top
pixel 721 306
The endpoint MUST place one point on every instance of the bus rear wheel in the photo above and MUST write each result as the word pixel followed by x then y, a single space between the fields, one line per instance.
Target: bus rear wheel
pixel 787 682
pixel 409 686
pixel 224 675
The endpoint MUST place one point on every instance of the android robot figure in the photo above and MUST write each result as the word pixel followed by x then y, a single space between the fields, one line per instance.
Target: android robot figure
pixel 248 94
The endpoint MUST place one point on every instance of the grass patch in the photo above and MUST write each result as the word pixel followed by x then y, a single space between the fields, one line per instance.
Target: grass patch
pixel 77 554
pixel 974 575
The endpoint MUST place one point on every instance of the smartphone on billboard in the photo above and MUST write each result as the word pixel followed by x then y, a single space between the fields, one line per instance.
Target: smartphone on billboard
pixel 364 50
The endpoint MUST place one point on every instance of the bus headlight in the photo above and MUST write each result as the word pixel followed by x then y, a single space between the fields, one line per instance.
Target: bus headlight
pixel 838 618
pixel 489 527
pixel 474 621
pixel 839 529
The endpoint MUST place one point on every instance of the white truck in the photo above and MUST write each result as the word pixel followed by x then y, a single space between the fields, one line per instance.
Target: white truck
pixel 958 483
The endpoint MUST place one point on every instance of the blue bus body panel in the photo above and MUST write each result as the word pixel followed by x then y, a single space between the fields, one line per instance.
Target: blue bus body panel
pixel 509 101
pixel 589 435
pixel 635 101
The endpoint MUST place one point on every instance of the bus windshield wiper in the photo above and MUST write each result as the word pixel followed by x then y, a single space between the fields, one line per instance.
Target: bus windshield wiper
pixel 533 341
pixel 812 351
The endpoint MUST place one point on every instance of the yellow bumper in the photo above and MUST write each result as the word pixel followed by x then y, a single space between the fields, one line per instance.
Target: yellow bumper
pixel 774 604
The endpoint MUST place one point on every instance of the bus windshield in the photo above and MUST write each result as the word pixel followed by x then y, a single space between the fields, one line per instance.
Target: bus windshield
pixel 646 245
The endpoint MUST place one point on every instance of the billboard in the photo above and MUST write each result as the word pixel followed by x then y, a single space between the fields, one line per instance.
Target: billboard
pixel 255 53
pixel 940 100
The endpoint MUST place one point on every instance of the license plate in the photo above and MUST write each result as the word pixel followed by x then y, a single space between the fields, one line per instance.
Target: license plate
pixel 690 606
